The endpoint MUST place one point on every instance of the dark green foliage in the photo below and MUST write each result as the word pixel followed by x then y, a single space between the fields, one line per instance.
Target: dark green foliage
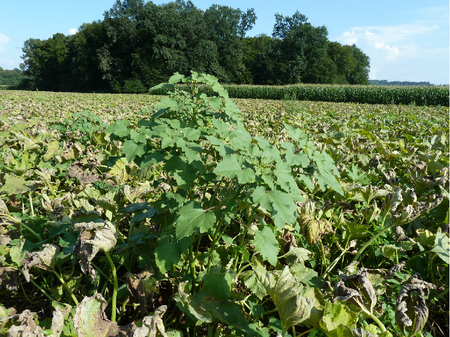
pixel 10 77
pixel 139 44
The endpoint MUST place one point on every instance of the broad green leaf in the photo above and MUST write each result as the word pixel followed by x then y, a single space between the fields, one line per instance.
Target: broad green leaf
pixel 139 137
pixel 257 310
pixel 175 78
pixel 283 172
pixel 233 166
pixel 286 180
pixel 219 89
pixel 192 218
pixel 120 128
pixel 193 154
pixel 169 250
pixel 425 237
pixel 223 129
pixel 191 305
pixel 280 205
pixel 143 214
pixel 255 286
pixel 132 149
pixel 336 315
pixel 14 185
pixel 149 159
pixel 16 253
pixel 191 134
pixel 227 312
pixel 441 246
pixel 293 158
pixel 296 133
pixel 215 103
pixel 240 138
pixel 325 163
pixel 52 150
pixel 391 250
pixel 266 243
pixel 270 152
pixel 218 283
pixel 330 180
pixel 266 278
pixel 298 253
pixel 307 181
pixel 304 274
pixel 210 79
pixel 357 176
pixel 167 103
pixel 183 172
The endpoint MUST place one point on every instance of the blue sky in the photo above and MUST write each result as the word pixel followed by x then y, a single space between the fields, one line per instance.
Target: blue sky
pixel 406 40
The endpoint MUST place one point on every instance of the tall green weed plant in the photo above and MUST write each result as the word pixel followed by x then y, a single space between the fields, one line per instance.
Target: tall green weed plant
pixel 221 185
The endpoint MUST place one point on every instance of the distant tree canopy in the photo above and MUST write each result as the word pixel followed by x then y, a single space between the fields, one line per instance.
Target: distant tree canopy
pixel 139 44
pixel 400 83
pixel 10 77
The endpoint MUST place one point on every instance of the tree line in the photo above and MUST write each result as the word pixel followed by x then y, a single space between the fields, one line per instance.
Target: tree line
pixel 400 83
pixel 10 77
pixel 139 44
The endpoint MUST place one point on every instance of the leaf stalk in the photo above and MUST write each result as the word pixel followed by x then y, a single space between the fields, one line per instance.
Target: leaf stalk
pixel 116 287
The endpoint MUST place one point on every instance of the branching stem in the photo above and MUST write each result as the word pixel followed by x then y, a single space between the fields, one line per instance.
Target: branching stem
pixel 59 277
pixel 376 236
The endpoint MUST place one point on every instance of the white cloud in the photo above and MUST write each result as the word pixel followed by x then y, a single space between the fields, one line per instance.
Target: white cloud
pixel 3 40
pixel 72 31
pixel 393 52
pixel 404 51
pixel 350 37
pixel 393 40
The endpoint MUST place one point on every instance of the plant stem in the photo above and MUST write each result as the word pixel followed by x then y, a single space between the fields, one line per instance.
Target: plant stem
pixel 31 231
pixel 242 269
pixel 31 203
pixel 375 319
pixel 116 286
pixel 20 223
pixel 42 290
pixel 269 312
pixel 333 264
pixel 66 287
pixel 304 333
pixel 101 272
pixel 192 263
pixel 213 244
pixel 376 236
pixel 444 293
pixel 24 293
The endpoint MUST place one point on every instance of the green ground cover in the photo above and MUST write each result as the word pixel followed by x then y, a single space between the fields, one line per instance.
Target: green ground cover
pixel 189 216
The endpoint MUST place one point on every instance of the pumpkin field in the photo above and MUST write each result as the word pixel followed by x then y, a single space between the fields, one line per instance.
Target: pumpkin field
pixel 200 215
